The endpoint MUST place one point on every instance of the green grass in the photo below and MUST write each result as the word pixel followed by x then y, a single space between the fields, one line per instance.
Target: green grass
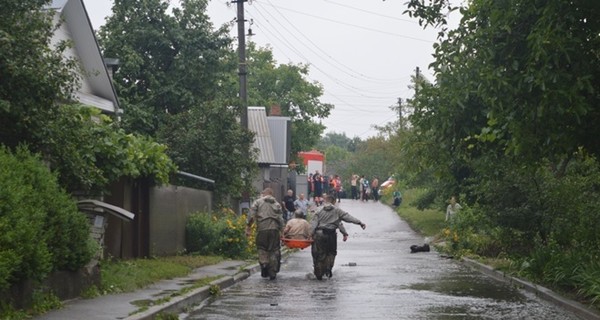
pixel 428 222
pixel 130 275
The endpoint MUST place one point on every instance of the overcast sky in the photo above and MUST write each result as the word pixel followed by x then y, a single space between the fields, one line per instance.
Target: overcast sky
pixel 363 52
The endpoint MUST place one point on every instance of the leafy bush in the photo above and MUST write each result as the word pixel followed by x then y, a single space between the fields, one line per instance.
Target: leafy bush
pixel 217 233
pixel 89 151
pixel 542 218
pixel 41 229
pixel 425 199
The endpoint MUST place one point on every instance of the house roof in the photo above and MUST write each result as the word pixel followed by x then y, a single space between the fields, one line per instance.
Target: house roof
pixel 99 90
pixel 257 123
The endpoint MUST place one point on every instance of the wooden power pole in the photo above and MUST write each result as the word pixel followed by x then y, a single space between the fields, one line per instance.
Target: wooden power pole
pixel 242 70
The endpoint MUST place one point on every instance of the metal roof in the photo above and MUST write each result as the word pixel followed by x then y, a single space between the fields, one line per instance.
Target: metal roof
pixel 257 123
pixel 280 138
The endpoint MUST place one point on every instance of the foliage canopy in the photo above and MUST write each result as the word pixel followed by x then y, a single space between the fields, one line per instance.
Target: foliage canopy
pixel 41 229
pixel 510 125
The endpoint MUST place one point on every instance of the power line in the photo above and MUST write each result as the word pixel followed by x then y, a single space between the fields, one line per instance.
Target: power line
pixel 295 50
pixel 379 124
pixel 365 93
pixel 353 25
pixel 344 106
pixel 316 67
pixel 349 71
pixel 371 12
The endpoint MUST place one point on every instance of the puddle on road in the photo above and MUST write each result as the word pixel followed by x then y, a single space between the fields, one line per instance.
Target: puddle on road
pixel 461 286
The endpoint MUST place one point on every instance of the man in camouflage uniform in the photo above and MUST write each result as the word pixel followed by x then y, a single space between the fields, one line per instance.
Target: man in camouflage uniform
pixel 323 230
pixel 268 215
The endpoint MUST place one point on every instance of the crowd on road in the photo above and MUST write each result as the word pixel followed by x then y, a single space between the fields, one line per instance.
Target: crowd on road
pixel 361 187
pixel 288 220
pixel 317 222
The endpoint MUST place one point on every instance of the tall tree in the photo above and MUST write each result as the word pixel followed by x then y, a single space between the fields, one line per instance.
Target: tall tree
pixel 207 141
pixel 373 158
pixel 170 63
pixel 339 140
pixel 514 110
pixel 26 98
pixel 176 81
pixel 532 70
pixel 286 85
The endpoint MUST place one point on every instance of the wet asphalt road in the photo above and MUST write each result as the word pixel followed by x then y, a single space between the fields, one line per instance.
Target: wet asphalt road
pixel 387 282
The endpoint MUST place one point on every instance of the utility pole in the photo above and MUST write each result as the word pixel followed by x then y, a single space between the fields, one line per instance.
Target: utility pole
pixel 242 71
pixel 400 120
pixel 417 76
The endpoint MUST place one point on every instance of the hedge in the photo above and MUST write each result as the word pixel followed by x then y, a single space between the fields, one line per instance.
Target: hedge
pixel 41 229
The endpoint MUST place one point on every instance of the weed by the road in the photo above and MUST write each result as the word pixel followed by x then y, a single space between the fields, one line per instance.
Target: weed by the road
pixel 167 316
pixel 215 290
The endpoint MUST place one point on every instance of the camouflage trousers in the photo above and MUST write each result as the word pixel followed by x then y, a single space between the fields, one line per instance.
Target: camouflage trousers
pixel 324 250
pixel 268 244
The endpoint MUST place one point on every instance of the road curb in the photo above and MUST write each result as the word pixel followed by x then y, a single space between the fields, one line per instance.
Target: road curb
pixel 190 299
pixel 183 303
pixel 575 307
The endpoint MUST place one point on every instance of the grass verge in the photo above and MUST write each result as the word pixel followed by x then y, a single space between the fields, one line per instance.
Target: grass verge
pixel 130 275
pixel 428 222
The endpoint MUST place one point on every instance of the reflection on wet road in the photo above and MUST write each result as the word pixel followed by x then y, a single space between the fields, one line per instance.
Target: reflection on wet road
pixel 387 282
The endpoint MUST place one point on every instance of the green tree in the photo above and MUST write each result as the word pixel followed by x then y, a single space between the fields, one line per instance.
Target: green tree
pixel 337 160
pixel 511 123
pixel 530 69
pixel 170 63
pixel 208 141
pixel 90 151
pixel 286 85
pixel 515 79
pixel 339 140
pixel 373 159
pixel 26 97
pixel 75 141
pixel 176 81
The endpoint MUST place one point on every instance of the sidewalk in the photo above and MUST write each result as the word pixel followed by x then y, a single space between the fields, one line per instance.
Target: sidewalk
pixel 121 306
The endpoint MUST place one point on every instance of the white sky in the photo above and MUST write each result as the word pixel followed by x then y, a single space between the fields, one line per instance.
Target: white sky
pixel 362 51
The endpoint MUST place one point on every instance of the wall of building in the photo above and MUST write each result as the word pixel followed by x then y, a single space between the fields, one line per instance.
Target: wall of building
pixel 169 209
pixel 302 185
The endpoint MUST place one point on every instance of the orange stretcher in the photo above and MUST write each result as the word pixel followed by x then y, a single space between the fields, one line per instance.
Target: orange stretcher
pixel 296 243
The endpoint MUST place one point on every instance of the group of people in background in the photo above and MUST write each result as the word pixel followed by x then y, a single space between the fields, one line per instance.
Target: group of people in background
pixel 292 206
pixel 363 189
pixel 320 185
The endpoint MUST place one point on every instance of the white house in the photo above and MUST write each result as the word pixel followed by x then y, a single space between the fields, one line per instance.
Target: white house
pixel 96 88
